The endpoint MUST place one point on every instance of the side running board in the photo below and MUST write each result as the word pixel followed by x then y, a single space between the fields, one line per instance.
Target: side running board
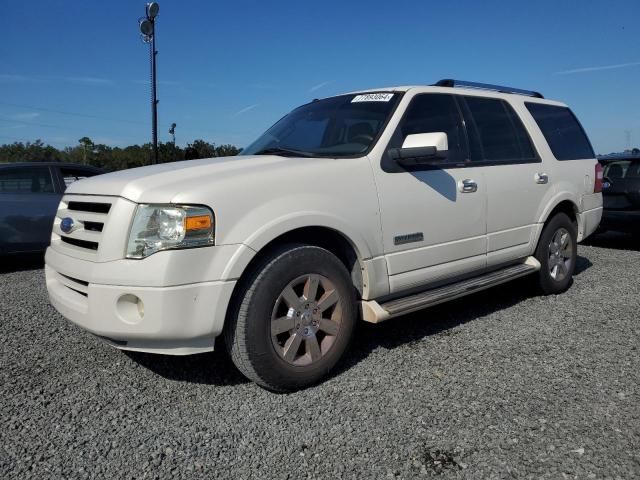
pixel 375 312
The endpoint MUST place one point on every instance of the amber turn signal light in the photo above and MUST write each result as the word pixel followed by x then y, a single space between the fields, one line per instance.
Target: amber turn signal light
pixel 199 222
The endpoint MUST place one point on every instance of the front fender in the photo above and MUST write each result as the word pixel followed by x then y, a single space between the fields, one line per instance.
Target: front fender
pixel 287 223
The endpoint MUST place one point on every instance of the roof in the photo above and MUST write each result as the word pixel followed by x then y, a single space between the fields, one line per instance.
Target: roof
pixel 466 88
pixel 619 156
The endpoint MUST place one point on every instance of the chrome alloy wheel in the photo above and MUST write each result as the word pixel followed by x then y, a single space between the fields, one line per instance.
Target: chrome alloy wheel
pixel 560 254
pixel 306 319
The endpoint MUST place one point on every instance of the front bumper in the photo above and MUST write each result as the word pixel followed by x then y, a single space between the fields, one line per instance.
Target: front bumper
pixel 178 319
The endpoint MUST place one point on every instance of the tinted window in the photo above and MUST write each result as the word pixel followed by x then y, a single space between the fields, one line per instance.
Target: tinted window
pixel 430 113
pixel 334 127
pixel 563 132
pixel 496 132
pixel 71 174
pixel 622 169
pixel 26 180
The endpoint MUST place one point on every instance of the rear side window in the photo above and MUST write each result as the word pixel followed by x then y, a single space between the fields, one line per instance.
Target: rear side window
pixel 496 133
pixel 26 180
pixel 563 132
pixel 70 175
pixel 431 113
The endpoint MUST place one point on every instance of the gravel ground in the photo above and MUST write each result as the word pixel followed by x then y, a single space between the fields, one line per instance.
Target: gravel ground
pixel 501 384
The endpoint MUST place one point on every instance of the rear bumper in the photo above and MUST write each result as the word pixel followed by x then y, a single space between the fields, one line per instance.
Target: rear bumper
pixel 620 220
pixel 588 222
pixel 176 320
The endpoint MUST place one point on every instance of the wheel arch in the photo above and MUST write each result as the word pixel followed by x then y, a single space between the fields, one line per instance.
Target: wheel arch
pixel 565 203
pixel 320 236
pixel 325 237
pixel 566 206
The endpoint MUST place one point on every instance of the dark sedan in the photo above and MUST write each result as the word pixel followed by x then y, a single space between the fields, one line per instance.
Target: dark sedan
pixel 29 197
pixel 621 192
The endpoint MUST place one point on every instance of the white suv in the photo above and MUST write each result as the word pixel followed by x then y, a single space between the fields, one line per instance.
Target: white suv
pixel 361 206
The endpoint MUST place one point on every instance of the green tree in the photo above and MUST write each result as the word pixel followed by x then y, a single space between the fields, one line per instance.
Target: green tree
pixel 110 158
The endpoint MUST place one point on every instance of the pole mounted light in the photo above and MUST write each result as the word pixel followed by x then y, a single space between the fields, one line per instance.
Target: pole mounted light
pixel 147 26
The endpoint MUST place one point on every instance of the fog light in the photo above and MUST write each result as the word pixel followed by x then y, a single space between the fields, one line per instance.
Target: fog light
pixel 130 309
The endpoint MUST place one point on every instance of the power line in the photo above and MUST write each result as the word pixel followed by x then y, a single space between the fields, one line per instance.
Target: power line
pixel 43 125
pixel 76 114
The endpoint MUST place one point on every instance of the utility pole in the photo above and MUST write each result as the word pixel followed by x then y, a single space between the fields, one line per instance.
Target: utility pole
pixel 172 131
pixel 147 26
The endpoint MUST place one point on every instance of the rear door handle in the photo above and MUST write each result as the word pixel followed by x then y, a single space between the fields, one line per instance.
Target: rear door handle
pixel 542 178
pixel 468 186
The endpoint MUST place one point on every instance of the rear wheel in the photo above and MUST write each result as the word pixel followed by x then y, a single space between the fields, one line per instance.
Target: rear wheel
pixel 294 318
pixel 556 252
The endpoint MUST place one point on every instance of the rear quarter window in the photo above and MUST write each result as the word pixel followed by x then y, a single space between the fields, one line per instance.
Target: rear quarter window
pixel 26 180
pixel 562 131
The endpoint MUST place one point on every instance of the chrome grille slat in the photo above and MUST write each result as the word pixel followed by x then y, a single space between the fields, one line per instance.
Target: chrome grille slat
pixel 93 226
pixel 81 243
pixel 94 207
pixel 82 216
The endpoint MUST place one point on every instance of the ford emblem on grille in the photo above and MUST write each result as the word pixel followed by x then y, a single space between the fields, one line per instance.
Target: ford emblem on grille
pixel 67 224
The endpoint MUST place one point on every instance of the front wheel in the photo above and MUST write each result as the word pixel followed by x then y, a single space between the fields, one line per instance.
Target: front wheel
pixel 294 318
pixel 556 252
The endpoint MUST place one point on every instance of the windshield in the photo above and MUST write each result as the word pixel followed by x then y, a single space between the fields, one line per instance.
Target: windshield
pixel 341 126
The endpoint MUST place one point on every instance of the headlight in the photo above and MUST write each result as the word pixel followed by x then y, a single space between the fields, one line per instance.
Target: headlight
pixel 164 227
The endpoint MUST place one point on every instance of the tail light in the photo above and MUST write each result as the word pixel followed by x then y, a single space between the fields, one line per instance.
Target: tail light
pixel 597 184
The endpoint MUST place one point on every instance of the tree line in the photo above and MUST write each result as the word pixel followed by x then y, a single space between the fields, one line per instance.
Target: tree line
pixel 111 158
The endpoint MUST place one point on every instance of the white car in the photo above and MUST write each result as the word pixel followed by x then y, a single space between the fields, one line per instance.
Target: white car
pixel 365 206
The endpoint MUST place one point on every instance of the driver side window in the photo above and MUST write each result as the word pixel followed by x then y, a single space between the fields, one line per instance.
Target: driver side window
pixel 434 112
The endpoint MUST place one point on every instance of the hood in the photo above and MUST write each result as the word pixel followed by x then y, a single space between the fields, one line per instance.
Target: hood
pixel 163 183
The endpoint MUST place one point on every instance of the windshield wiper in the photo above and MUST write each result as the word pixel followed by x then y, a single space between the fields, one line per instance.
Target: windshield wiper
pixel 285 152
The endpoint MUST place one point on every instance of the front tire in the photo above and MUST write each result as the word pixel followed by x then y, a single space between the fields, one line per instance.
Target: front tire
pixel 294 318
pixel 557 252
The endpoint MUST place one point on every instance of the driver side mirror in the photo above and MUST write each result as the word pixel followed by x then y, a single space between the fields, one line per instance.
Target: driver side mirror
pixel 422 149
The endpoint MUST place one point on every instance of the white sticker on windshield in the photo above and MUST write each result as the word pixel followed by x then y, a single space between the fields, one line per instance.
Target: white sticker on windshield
pixel 372 97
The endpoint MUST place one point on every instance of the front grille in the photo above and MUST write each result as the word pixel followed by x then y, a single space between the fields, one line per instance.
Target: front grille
pixel 89 219
pixel 93 207
pixel 93 226
pixel 81 243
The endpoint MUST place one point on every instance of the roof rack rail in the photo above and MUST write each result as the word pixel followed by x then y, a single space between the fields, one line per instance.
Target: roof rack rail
pixel 448 82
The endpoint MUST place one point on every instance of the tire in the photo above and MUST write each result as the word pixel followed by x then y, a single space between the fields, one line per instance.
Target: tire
pixel 556 252
pixel 279 338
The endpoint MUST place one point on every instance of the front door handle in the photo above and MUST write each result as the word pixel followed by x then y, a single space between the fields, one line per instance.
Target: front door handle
pixel 542 178
pixel 468 186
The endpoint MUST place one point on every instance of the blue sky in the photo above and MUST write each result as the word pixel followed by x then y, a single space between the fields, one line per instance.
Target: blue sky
pixel 228 69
